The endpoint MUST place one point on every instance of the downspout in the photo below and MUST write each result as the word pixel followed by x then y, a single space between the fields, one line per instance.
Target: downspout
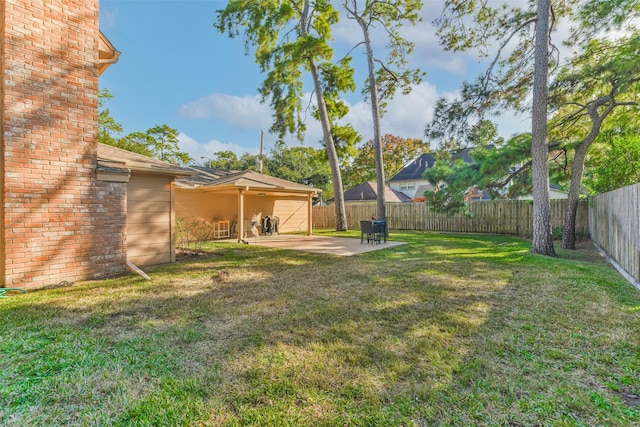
pixel 137 270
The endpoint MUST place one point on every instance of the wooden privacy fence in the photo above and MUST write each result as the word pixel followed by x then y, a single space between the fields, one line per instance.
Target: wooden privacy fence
pixel 491 217
pixel 614 219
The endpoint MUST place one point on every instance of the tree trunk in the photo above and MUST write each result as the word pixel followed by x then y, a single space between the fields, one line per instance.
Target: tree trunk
pixel 375 113
pixel 569 224
pixel 542 234
pixel 571 210
pixel 332 154
pixel 577 170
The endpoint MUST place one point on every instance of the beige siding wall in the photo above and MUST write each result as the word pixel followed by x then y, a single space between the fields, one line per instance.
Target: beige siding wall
pixel 150 224
pixel 207 206
pixel 292 213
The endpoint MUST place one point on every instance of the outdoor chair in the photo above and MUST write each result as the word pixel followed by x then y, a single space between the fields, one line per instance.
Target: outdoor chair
pixel 371 231
pixel 380 226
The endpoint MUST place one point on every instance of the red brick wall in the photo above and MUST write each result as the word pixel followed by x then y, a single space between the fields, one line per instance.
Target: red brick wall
pixel 59 222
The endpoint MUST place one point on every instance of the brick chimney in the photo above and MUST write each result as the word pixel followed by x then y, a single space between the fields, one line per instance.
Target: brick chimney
pixel 58 222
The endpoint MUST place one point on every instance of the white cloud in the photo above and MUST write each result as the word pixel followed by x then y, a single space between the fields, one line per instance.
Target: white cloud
pixel 243 112
pixel 203 151
pixel 406 116
pixel 107 18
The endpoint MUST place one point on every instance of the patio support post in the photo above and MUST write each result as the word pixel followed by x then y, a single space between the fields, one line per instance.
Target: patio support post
pixel 309 215
pixel 240 225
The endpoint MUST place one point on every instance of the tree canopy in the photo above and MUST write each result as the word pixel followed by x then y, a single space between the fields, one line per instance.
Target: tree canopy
pixel 599 76
pixel 160 142
pixel 291 38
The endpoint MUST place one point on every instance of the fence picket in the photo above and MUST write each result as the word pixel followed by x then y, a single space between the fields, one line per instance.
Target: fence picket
pixel 493 217
pixel 614 223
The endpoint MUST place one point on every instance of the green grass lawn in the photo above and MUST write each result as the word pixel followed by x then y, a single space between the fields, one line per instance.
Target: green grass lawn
pixel 445 330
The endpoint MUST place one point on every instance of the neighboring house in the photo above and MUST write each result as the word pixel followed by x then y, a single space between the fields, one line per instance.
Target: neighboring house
pixel 368 193
pixel 214 195
pixel 410 180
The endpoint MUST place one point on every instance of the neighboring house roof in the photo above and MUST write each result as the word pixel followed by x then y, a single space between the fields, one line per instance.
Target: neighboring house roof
pixel 415 170
pixel 115 160
pixel 107 54
pixel 218 179
pixel 369 192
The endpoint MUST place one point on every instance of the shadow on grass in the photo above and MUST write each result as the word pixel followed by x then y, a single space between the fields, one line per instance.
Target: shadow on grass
pixel 459 329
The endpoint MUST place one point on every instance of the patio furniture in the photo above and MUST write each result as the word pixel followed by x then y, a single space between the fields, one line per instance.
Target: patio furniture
pixel 221 229
pixel 381 227
pixel 270 225
pixel 371 231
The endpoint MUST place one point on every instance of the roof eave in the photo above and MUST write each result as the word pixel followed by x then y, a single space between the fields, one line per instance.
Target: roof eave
pixel 107 54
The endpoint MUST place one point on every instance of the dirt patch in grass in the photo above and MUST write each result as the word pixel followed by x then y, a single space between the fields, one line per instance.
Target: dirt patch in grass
pixel 191 255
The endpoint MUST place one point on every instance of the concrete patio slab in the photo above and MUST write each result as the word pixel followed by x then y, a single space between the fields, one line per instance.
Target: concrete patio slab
pixel 320 244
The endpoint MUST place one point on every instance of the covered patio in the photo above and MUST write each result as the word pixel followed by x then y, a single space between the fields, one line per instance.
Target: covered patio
pixel 231 201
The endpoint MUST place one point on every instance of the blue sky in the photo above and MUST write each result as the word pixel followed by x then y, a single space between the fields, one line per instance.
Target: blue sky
pixel 176 69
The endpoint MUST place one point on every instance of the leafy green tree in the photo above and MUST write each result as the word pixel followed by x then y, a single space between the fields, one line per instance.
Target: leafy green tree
pixel 504 171
pixel 603 77
pixel 137 142
pixel 164 142
pixel 618 166
pixel 399 151
pixel 510 81
pixel 291 37
pixel 304 165
pixel 226 160
pixel 108 128
pixel 160 142
pixel 384 80
pixel 345 137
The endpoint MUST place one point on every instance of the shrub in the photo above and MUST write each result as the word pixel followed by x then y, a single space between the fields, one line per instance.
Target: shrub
pixel 192 233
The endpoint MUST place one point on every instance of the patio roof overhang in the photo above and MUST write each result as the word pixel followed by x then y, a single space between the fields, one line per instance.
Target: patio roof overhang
pixel 252 190
pixel 232 182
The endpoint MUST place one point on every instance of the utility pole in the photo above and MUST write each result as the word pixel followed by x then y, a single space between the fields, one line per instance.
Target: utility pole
pixel 261 151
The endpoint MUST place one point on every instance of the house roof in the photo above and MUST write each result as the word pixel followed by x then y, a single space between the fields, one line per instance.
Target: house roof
pixel 211 178
pixel 116 160
pixel 369 191
pixel 415 169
